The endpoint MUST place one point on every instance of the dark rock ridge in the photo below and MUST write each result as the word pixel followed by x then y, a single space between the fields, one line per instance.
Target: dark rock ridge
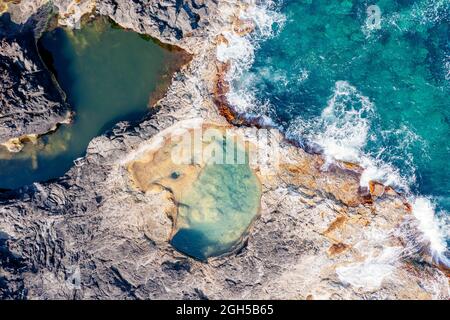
pixel 31 102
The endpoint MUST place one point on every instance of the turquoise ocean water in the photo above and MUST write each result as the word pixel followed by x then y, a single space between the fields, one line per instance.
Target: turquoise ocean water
pixel 366 84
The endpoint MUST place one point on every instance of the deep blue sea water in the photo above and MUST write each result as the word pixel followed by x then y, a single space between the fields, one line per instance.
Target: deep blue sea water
pixel 368 88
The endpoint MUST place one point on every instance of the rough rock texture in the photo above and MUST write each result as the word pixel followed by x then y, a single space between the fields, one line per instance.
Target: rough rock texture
pixel 179 22
pixel 31 102
pixel 171 20
pixel 92 235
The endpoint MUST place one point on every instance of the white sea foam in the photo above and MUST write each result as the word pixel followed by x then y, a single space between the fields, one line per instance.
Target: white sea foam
pixel 446 63
pixel 240 51
pixel 434 230
pixel 430 12
pixel 370 273
pixel 344 136
pixel 426 12
pixel 342 132
pixel 345 122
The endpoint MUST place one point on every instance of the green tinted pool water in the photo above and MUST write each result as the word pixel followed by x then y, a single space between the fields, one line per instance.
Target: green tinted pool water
pixel 108 75
pixel 217 211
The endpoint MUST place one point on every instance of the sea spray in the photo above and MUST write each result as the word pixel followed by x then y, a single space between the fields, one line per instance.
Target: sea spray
pixel 240 51
pixel 342 131
pixel 370 273
pixel 342 128
pixel 433 230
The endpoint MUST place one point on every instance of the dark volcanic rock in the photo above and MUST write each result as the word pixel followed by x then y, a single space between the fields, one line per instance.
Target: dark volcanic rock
pixel 30 100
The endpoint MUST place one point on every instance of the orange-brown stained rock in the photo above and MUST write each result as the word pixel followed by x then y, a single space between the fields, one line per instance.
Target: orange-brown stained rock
pixel 308 173
pixel 352 166
pixel 376 189
pixel 337 248
pixel 390 191
pixel 367 199
pixel 338 223
pixel 4 4
pixel 445 270
pixel 408 206
pixel 222 40
pixel 227 113
pixel 220 91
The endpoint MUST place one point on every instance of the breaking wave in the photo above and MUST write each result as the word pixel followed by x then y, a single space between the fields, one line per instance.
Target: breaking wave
pixel 241 51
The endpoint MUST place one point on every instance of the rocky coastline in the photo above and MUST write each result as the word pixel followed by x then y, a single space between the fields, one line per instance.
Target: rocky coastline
pixel 92 234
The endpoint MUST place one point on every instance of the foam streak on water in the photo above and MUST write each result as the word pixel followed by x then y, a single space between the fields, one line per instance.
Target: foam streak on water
pixel 349 124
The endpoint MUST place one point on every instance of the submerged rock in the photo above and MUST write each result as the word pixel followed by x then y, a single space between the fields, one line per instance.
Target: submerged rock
pixel 97 234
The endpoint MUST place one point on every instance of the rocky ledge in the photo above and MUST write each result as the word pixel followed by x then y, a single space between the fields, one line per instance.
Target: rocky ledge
pixel 93 234
pixel 31 102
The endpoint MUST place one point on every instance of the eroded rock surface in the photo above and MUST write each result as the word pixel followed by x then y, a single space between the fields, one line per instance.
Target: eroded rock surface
pixel 94 234
pixel 31 102
pixel 172 21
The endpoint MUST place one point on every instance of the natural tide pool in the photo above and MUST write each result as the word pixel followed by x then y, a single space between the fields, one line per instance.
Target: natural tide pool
pixel 217 211
pixel 109 75
pixel 215 202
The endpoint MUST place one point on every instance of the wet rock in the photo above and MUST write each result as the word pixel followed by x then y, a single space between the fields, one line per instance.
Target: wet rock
pixel 376 189
pixel 337 248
